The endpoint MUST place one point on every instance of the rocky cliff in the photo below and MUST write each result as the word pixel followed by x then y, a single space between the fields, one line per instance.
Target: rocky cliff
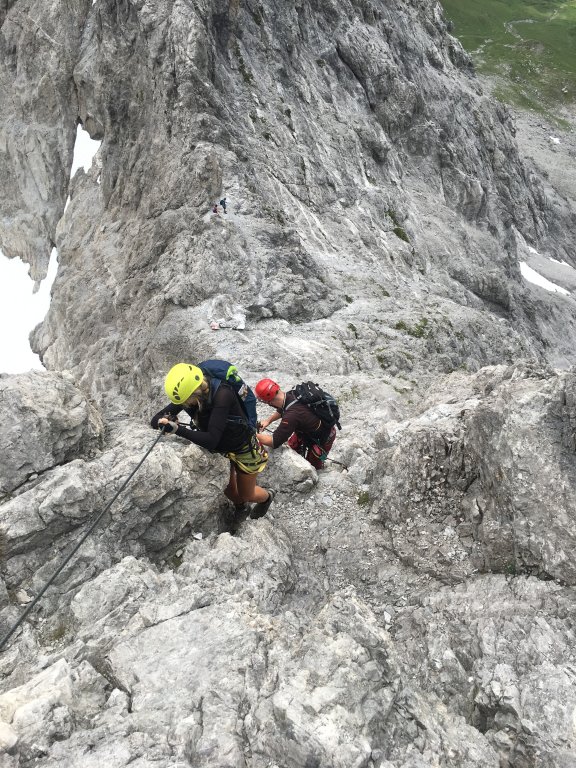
pixel 411 609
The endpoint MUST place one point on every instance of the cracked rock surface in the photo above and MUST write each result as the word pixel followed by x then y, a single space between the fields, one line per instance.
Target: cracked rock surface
pixel 411 604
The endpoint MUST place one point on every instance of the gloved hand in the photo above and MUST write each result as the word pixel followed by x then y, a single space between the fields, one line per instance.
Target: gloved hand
pixel 167 426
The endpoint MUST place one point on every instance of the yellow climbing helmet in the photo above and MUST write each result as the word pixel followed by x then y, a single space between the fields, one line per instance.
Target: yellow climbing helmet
pixel 182 380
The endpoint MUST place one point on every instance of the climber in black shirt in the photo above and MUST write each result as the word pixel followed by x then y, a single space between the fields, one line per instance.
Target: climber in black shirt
pixel 218 424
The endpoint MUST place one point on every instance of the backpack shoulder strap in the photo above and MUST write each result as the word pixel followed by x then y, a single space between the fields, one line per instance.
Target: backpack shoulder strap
pixel 231 418
pixel 290 404
pixel 214 386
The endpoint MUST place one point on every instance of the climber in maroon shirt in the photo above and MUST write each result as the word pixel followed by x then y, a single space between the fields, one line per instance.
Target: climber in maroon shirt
pixel 299 425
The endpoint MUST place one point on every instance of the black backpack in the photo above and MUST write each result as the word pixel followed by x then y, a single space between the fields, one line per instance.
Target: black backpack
pixel 321 403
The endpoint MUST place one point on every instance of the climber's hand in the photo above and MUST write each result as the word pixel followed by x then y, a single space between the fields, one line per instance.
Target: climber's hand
pixel 167 426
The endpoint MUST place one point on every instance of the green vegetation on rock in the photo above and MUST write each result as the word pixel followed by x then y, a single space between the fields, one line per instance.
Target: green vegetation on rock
pixel 529 46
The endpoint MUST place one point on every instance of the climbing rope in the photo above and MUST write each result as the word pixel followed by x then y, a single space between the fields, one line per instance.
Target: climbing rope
pixel 89 530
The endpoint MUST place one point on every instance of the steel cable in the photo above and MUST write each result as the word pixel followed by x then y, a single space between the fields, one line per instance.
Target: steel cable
pixel 89 530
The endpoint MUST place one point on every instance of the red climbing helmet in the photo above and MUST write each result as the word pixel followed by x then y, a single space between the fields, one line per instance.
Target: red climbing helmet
pixel 266 390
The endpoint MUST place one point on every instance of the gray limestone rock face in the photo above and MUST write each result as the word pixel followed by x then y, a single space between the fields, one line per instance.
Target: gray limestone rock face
pixel 288 472
pixel 240 680
pixel 338 698
pixel 367 176
pixel 498 649
pixel 39 44
pixel 411 603
pixel 46 708
pixel 48 421
pixel 483 479
pixel 176 491
pixel 62 473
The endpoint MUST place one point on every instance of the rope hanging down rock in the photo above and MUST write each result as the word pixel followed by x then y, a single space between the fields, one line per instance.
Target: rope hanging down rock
pixel 89 530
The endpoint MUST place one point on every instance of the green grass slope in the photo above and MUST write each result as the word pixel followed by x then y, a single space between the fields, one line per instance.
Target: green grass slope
pixel 530 46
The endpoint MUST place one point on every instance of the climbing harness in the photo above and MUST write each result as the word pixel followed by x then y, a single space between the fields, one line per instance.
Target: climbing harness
pixel 250 459
pixel 322 457
pixel 91 527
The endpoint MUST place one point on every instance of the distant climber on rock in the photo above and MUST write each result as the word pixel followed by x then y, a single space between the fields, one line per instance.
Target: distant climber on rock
pixel 223 204
pixel 215 209
pixel 309 417
pixel 222 409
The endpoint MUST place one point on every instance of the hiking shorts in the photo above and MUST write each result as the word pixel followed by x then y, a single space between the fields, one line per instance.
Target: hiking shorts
pixel 250 459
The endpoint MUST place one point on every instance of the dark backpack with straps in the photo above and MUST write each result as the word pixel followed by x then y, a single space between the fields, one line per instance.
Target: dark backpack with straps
pixel 321 403
pixel 221 371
